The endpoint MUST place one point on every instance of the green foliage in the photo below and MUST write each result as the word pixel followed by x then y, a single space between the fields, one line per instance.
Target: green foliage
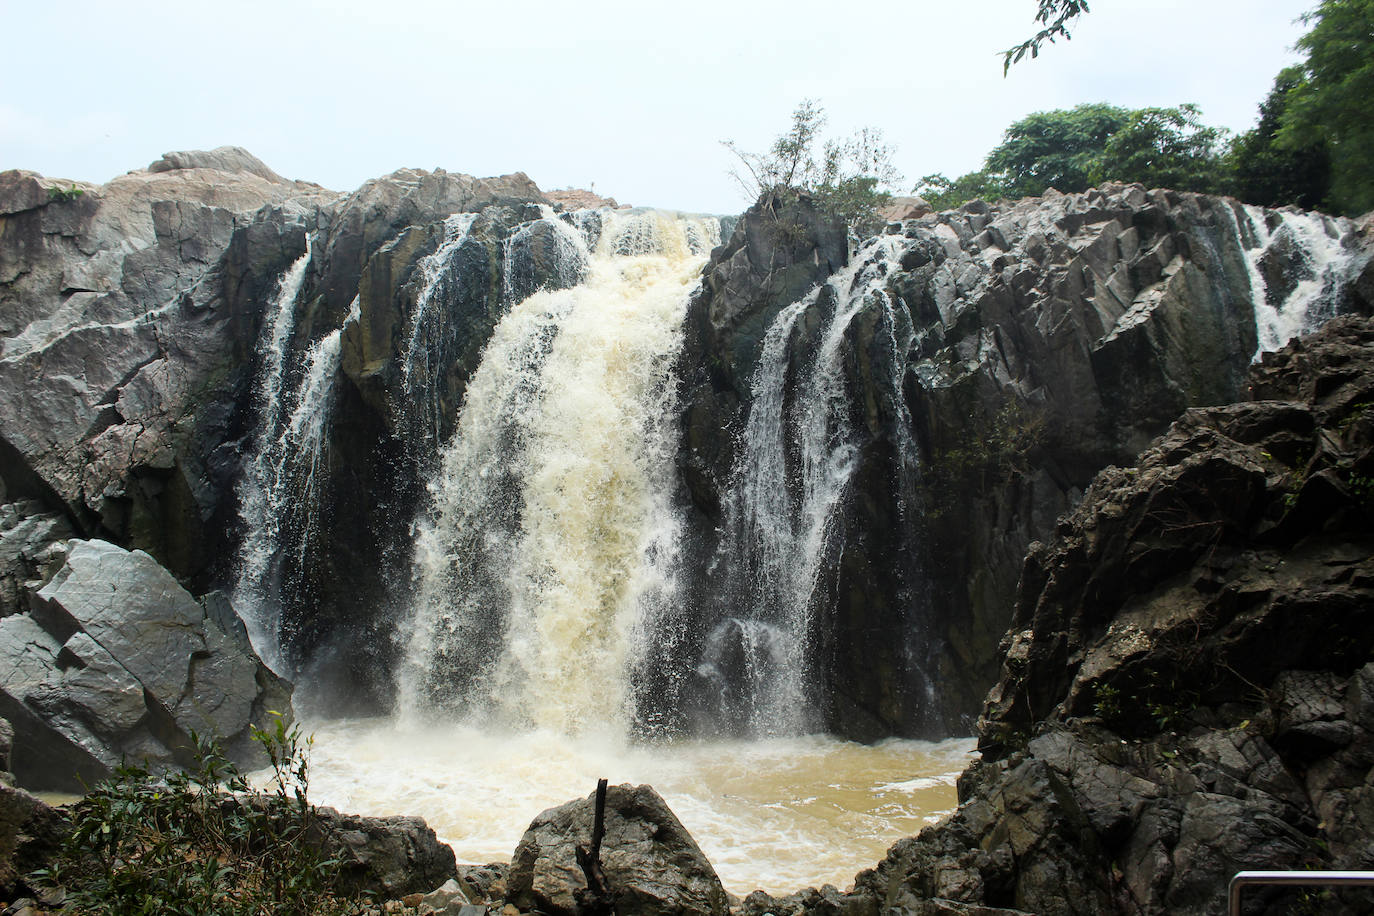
pixel 1164 148
pixel 1331 104
pixel 201 841
pixel 945 194
pixel 61 196
pixel 849 179
pixel 1055 149
pixel 1106 702
pixel 1054 16
pixel 1265 171
pixel 1073 149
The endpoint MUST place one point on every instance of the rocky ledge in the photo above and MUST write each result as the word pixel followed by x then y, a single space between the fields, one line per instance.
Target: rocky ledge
pixel 1186 689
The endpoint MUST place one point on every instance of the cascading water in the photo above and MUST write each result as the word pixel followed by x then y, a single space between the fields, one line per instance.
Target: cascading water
pixel 548 559
pixel 1298 268
pixel 277 491
pixel 420 364
pixel 550 534
pixel 794 463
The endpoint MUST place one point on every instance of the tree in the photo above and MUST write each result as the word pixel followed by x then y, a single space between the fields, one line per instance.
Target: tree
pixel 1268 173
pixel 944 193
pixel 1055 16
pixel 1073 149
pixel 1164 148
pixel 1055 149
pixel 1332 102
pixel 849 179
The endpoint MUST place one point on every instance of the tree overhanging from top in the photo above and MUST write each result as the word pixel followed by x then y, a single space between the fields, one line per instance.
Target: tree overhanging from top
pixel 1055 16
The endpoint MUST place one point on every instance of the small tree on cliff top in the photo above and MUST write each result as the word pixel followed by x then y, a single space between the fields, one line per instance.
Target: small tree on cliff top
pixel 849 179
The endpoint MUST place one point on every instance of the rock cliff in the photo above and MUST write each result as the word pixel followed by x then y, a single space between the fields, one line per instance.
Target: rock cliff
pixel 995 358
pixel 1185 687
pixel 128 313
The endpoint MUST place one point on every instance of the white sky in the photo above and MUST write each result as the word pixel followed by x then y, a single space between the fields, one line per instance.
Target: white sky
pixel 634 96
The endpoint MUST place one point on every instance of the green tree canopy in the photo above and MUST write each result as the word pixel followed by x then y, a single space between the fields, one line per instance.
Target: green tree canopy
pixel 1334 103
pixel 1055 149
pixel 1164 148
pixel 1268 173
pixel 1071 150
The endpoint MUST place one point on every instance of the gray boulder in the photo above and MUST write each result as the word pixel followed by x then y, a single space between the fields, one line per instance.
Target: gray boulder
pixel 116 660
pixel 651 863
pixel 389 857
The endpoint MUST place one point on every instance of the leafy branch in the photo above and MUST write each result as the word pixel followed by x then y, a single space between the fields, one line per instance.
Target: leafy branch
pixel 1055 15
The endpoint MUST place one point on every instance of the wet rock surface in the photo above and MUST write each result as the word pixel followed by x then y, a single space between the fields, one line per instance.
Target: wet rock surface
pixel 1184 687
pixel 1040 341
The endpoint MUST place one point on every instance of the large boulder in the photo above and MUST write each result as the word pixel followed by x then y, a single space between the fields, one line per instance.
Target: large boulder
pixel 31 833
pixel 116 660
pixel 388 857
pixel 652 866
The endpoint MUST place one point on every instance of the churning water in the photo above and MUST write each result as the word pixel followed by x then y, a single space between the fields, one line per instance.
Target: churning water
pixel 778 814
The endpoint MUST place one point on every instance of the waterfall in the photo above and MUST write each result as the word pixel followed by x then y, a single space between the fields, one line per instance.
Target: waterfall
pixel 537 243
pixel 1299 265
pixel 422 357
pixel 278 488
pixel 550 537
pixel 794 463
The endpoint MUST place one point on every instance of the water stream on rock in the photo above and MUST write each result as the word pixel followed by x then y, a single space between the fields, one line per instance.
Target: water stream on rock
pixel 551 534
pixel 1297 271
pixel 278 487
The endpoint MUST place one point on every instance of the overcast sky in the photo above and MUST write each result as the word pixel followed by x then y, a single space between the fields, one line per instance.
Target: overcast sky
pixel 633 96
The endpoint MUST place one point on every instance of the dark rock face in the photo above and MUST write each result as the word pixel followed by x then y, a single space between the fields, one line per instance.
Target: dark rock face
pixel 389 857
pixel 116 659
pixel 1038 342
pixel 31 833
pixel 651 863
pixel 1184 687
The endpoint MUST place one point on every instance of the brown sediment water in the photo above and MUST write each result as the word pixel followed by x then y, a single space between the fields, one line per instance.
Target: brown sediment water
pixel 777 814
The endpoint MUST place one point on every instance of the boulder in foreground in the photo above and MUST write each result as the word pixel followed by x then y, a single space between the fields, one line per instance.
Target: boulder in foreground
pixel 652 865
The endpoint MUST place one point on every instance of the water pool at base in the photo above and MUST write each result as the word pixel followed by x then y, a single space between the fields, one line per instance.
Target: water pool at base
pixel 779 814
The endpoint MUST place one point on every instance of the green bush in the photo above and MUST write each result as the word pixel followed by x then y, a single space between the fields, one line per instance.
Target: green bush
pixel 201 841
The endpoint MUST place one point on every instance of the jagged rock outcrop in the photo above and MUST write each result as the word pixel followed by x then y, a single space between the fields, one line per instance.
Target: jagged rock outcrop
pixel 115 659
pixel 1036 342
pixel 132 315
pixel 126 312
pixel 651 864
pixel 1185 687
